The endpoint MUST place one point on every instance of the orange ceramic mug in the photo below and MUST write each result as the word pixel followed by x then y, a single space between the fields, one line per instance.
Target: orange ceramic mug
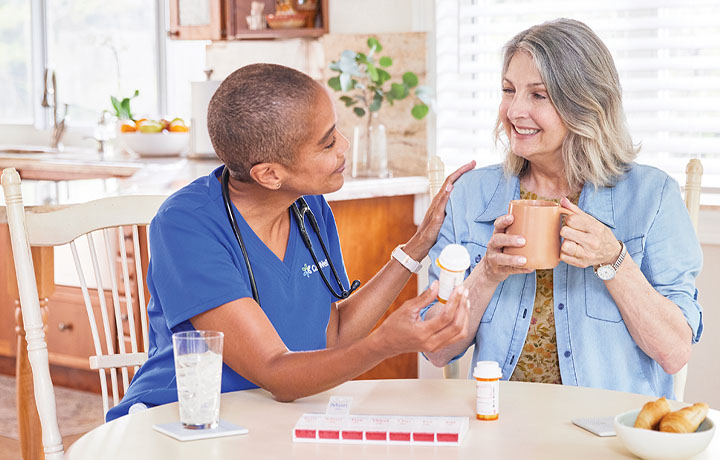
pixel 539 223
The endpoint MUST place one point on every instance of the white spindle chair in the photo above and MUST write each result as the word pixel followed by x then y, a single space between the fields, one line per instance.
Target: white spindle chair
pixel 436 176
pixel 71 225
pixel 693 179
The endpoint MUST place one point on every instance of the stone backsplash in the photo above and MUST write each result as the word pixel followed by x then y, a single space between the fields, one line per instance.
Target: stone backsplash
pixel 407 137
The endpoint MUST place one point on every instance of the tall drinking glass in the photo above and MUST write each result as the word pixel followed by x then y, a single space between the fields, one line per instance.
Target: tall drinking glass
pixel 198 371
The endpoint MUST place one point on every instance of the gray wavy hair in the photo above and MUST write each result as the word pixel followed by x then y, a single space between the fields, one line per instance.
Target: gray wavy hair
pixel 583 85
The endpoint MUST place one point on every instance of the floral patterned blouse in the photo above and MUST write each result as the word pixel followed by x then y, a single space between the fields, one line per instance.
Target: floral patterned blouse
pixel 538 361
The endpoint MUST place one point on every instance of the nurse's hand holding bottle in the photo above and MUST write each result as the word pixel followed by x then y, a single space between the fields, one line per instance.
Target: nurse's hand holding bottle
pixel 404 331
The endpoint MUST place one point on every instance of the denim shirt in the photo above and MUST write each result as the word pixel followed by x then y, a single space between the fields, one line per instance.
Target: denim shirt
pixel 644 209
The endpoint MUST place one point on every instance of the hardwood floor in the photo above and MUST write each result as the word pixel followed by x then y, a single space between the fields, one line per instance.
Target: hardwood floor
pixel 10 448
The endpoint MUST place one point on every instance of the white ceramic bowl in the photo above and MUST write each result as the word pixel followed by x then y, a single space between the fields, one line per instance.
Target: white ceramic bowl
pixel 656 445
pixel 156 144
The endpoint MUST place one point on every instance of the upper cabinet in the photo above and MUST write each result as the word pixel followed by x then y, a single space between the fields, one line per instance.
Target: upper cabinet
pixel 233 19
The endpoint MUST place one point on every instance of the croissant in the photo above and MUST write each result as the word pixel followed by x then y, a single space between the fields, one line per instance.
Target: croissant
pixel 651 414
pixel 685 420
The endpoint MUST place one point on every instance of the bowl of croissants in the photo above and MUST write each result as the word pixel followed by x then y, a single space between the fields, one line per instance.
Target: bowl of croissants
pixel 656 432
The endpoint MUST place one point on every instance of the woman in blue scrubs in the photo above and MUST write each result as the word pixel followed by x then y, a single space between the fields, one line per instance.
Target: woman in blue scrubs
pixel 274 128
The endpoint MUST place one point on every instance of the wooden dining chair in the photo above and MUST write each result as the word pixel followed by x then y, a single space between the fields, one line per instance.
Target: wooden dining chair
pixel 693 179
pixel 105 222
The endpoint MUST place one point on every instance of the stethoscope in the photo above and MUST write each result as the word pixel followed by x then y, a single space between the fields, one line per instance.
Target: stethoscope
pixel 298 209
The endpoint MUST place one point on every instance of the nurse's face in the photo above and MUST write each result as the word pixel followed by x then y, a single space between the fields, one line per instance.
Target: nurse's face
pixel 320 161
pixel 531 122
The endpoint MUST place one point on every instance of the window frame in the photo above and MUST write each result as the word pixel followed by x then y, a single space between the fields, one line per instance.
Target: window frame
pixel 446 24
pixel 42 117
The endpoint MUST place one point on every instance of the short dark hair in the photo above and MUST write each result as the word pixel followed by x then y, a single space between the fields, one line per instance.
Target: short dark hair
pixel 257 115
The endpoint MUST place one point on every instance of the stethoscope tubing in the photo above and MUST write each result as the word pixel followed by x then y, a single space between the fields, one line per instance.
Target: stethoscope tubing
pixel 238 236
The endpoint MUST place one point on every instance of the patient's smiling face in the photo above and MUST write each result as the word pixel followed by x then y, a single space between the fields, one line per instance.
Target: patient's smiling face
pixel 531 121
pixel 319 161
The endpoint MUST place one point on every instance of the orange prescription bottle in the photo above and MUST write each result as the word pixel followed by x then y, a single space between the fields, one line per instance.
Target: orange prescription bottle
pixel 453 261
pixel 487 378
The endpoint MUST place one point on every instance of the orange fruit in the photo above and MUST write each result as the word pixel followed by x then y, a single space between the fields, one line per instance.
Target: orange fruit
pixel 139 122
pixel 128 127
pixel 179 129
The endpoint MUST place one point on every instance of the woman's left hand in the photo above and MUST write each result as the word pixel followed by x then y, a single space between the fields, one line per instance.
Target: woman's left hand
pixel 426 235
pixel 588 242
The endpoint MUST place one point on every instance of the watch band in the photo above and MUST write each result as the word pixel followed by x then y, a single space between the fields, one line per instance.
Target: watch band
pixel 405 260
pixel 621 257
pixel 606 272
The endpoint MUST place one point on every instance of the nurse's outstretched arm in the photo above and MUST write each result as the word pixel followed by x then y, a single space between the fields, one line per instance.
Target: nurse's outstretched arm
pixel 361 311
pixel 253 348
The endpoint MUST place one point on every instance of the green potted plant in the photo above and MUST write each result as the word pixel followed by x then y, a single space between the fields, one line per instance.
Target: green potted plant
pixel 366 84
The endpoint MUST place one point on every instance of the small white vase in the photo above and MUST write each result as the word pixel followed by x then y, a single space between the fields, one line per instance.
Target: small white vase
pixel 369 157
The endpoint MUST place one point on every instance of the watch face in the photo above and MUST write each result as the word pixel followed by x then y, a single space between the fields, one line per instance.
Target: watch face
pixel 605 272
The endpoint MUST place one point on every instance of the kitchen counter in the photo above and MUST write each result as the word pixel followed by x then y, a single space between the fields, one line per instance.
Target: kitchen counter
pixel 46 178
pixel 67 165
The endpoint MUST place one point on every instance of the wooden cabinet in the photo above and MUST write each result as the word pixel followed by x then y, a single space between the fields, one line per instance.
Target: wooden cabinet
pixel 369 230
pixel 68 335
pixel 225 20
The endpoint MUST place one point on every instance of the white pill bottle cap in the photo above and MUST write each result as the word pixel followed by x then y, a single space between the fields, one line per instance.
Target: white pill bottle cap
pixel 454 258
pixel 487 370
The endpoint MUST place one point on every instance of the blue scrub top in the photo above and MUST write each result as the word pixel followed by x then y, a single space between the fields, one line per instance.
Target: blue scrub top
pixel 197 265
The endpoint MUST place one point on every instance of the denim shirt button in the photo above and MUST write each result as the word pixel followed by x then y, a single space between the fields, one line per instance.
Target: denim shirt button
pixel 567 354
pixel 477 259
pixel 561 306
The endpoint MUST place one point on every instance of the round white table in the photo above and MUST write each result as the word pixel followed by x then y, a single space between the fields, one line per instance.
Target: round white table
pixel 534 423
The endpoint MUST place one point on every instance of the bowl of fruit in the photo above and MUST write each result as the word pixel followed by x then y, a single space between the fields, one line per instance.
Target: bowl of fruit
pixel 145 137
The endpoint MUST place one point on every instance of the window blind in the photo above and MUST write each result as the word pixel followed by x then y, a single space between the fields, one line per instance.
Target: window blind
pixel 667 53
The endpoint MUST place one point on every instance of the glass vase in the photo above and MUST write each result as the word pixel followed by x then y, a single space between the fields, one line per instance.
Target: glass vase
pixel 369 157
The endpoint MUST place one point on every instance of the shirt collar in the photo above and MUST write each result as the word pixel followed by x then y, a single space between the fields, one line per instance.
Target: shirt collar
pixel 598 203
pixel 497 206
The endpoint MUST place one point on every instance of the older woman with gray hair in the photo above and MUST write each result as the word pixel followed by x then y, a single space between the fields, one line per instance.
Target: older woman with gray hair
pixel 620 311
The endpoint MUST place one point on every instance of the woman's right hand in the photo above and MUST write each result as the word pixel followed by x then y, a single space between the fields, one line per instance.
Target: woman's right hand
pixel 404 331
pixel 497 266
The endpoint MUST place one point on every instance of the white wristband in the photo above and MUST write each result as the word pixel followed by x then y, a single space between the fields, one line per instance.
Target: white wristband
pixel 405 260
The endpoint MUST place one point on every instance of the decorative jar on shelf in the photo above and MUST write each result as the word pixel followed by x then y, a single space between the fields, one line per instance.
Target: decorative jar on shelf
pixel 369 152
pixel 307 8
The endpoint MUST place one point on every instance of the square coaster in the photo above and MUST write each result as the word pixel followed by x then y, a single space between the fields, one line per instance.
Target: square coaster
pixel 600 426
pixel 176 431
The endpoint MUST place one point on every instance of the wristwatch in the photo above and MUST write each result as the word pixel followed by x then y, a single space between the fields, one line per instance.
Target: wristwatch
pixel 607 272
pixel 405 260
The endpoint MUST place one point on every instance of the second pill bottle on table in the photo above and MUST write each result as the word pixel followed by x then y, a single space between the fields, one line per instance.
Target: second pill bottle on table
pixel 487 376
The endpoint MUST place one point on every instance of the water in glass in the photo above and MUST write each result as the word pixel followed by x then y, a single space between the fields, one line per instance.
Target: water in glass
pixel 198 370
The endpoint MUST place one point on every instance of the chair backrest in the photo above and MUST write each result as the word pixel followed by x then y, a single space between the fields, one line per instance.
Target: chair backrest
pixel 436 176
pixel 111 221
pixel 693 179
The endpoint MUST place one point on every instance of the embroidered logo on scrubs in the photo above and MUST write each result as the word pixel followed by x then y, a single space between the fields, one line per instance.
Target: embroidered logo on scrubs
pixel 307 270
pixel 310 269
